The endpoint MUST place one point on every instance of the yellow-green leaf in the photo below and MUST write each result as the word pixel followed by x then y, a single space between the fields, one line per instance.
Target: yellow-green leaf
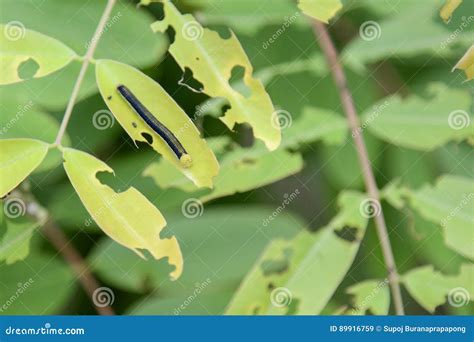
pixel 18 158
pixel 289 273
pixel 111 74
pixel 448 8
pixel 431 288
pixel 19 46
pixel 370 295
pixel 466 63
pixel 127 217
pixel 322 10
pixel 213 60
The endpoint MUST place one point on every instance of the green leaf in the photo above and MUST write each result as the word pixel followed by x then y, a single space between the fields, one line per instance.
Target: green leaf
pixel 38 285
pixel 289 273
pixel 18 158
pixel 111 74
pixel 322 10
pixel 423 124
pixel 127 217
pixel 213 60
pixel 244 169
pixel 222 245
pixel 449 203
pixel 370 295
pixel 404 35
pixel 247 16
pixel 431 288
pixel 28 121
pixel 127 38
pixel 15 243
pixel 466 63
pixel 448 8
pixel 19 46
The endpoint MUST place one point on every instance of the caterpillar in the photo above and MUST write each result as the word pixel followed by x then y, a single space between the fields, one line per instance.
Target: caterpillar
pixel 170 139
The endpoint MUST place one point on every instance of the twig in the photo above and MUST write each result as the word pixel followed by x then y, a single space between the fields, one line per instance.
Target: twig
pixel 369 179
pixel 77 263
pixel 85 64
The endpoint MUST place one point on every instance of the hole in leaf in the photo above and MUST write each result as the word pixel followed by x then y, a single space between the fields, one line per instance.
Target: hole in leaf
pixel 270 286
pixel 293 306
pixel 270 267
pixel 190 82
pixel 347 233
pixel 134 124
pixel 237 82
pixel 107 178
pixel 28 69
pixel 148 138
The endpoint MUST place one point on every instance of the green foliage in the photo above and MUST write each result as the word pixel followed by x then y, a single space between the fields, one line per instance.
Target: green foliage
pixel 262 120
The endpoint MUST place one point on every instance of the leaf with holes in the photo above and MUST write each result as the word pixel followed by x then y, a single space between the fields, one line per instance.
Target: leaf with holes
pixel 289 273
pixel 20 47
pixel 18 158
pixel 431 288
pixel 466 63
pixel 244 169
pixel 323 10
pixel 449 203
pixel 370 295
pixel 423 124
pixel 111 74
pixel 127 217
pixel 213 60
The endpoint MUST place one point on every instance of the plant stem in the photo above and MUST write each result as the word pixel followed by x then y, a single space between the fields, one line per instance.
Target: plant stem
pixel 371 186
pixel 77 263
pixel 85 64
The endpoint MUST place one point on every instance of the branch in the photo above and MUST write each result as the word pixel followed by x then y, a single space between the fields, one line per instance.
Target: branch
pixel 85 64
pixel 77 263
pixel 371 186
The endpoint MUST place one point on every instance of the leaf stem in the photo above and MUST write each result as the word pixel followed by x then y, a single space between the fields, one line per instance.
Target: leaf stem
pixel 85 64
pixel 371 186
pixel 76 262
